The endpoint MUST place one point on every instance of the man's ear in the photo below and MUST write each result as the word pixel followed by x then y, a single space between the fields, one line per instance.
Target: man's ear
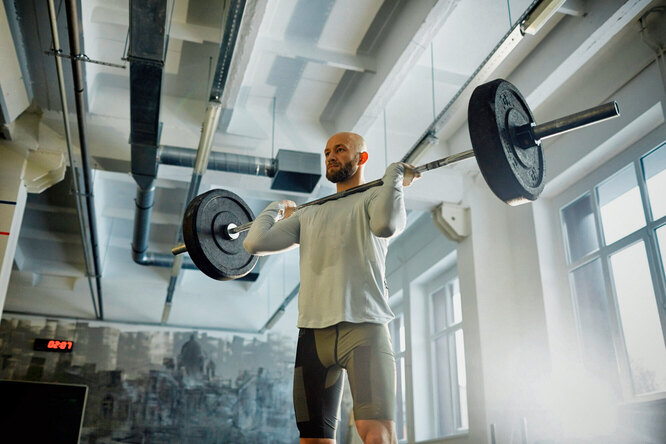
pixel 363 157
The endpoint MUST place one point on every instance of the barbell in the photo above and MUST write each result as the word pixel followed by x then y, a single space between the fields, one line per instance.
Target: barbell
pixel 505 141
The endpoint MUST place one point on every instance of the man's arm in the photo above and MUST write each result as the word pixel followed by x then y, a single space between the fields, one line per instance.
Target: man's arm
pixel 387 206
pixel 269 234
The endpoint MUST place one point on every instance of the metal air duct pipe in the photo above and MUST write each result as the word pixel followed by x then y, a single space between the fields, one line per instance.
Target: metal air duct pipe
pixel 232 163
pixel 79 97
pixel 85 233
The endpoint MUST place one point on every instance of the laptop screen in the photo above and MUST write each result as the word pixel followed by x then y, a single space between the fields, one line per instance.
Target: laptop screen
pixel 42 412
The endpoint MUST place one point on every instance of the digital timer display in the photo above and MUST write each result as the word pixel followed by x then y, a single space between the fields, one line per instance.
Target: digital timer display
pixel 56 345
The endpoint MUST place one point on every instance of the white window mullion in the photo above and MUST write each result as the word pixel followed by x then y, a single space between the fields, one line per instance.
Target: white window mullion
pixel 652 247
pixel 659 222
pixel 660 253
pixel 654 258
pixel 642 187
pixel 597 219
pixel 450 352
pixel 453 357
pixel 434 376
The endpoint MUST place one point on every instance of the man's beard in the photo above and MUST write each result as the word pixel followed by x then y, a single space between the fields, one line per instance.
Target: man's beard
pixel 345 171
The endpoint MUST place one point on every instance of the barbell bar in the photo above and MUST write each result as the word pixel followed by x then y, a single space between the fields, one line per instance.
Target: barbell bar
pixel 524 133
pixel 506 143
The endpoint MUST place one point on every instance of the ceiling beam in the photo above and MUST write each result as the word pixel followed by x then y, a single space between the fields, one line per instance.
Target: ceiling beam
pixel 46 235
pixel 293 48
pixel 253 16
pixel 399 34
pixel 177 29
pixel 425 74
pixel 587 49
pixel 50 208
pixel 157 218
pixel 573 7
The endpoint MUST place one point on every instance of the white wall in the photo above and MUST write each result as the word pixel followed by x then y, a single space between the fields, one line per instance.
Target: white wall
pixel 521 343
pixel 513 262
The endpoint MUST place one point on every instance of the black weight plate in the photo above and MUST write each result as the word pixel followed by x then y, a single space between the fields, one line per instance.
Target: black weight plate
pixel 211 251
pixel 514 174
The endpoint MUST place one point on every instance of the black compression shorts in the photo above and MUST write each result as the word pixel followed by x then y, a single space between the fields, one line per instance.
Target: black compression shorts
pixel 365 351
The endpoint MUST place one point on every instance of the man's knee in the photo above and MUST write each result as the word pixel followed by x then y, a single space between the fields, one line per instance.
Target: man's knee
pixel 374 431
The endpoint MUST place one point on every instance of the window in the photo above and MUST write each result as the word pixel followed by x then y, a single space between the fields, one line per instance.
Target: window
pixel 449 360
pixel 397 330
pixel 615 238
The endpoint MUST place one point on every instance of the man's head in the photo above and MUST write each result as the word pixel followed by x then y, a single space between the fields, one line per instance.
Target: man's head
pixel 345 154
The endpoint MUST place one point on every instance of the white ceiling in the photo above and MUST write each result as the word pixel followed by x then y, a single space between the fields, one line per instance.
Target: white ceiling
pixel 371 66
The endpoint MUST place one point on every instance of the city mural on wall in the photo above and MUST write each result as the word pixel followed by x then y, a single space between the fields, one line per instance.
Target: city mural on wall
pixel 164 386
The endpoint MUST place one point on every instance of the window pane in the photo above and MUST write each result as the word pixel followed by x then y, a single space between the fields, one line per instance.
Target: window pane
pixel 402 334
pixel 621 207
pixel 439 309
pixel 654 168
pixel 462 380
pixel 444 395
pixel 451 383
pixel 640 319
pixel 401 405
pixel 397 329
pixel 593 315
pixel 457 307
pixel 580 228
pixel 661 240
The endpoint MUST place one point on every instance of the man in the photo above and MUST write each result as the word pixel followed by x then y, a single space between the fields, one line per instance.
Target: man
pixel 343 301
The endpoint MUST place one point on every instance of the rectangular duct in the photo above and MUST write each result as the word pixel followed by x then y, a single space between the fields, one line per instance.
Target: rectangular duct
pixel 296 171
pixel 147 51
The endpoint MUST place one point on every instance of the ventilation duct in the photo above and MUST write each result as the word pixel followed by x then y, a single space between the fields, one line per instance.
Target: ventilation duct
pixel 146 53
pixel 290 170
pixel 296 171
pixel 232 163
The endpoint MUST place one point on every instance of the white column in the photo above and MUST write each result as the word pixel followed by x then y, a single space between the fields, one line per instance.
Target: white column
pixel 14 98
pixel 13 196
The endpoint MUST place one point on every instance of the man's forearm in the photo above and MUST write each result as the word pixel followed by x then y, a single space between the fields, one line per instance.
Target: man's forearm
pixel 268 236
pixel 387 211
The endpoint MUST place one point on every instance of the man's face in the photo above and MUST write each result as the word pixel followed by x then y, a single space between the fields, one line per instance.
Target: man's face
pixel 341 158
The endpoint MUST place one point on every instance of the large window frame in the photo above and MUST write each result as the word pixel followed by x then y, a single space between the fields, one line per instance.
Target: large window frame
pixel 647 235
pixel 411 307
pixel 448 420
pixel 398 336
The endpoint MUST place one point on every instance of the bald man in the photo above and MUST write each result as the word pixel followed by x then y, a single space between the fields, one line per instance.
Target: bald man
pixel 343 308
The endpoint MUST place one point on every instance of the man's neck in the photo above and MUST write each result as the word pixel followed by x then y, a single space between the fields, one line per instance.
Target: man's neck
pixel 354 181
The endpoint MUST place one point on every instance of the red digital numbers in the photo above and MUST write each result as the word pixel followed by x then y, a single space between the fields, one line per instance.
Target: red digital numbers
pixel 60 344
pixel 53 345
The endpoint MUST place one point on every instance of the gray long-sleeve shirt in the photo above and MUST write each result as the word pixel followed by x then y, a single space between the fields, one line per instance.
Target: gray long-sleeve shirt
pixel 343 251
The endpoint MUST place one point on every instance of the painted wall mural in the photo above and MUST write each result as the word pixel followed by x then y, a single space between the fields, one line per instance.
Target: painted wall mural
pixel 165 386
